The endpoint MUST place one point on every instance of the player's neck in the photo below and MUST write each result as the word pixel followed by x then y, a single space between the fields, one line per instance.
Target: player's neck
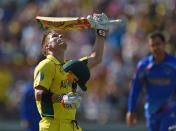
pixel 159 58
pixel 59 56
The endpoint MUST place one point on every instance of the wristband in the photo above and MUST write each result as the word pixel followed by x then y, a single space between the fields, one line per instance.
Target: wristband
pixel 46 96
pixel 101 32
pixel 47 109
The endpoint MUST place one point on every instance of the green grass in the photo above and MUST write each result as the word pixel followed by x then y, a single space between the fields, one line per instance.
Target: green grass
pixel 15 126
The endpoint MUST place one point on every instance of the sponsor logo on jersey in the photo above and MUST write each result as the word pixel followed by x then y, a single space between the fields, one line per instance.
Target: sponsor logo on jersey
pixel 40 76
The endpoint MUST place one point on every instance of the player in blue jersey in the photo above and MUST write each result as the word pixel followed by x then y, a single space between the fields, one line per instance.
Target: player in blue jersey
pixel 28 110
pixel 156 74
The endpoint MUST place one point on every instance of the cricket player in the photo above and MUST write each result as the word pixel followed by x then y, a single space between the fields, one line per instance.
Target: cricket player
pixel 155 73
pixel 53 84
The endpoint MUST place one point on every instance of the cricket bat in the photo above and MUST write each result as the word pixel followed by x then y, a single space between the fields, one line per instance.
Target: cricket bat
pixel 67 23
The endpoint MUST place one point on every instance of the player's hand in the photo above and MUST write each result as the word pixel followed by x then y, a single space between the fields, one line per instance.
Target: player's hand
pixel 71 100
pixel 101 20
pixel 130 119
pixel 98 21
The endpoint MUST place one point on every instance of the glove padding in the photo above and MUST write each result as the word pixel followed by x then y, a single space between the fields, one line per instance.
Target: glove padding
pixel 71 100
pixel 98 21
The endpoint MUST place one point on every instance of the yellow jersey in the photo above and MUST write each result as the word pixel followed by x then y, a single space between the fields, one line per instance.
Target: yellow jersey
pixel 50 74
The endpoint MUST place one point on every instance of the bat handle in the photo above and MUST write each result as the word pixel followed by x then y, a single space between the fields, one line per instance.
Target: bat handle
pixel 118 21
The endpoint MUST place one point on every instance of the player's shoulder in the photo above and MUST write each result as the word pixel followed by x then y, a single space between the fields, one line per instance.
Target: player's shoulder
pixel 171 58
pixel 46 63
pixel 142 63
pixel 171 61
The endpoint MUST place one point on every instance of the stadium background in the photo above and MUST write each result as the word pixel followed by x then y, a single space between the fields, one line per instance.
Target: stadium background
pixel 105 104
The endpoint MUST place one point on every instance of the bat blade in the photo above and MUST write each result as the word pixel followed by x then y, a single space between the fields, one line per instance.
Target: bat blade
pixel 68 23
pixel 63 23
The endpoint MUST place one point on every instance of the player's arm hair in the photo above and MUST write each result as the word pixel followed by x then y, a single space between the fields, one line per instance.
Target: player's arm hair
pixel 97 53
pixel 42 93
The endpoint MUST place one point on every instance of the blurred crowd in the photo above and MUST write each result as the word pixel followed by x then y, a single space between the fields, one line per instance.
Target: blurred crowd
pixel 106 99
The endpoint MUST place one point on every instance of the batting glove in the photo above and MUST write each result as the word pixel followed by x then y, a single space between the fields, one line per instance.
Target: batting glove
pixel 71 100
pixel 98 21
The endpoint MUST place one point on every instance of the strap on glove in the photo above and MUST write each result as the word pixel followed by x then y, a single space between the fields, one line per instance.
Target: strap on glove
pixel 100 23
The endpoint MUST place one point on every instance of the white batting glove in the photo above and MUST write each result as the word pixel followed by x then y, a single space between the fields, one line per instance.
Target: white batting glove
pixel 102 21
pixel 98 21
pixel 71 100
pixel 91 21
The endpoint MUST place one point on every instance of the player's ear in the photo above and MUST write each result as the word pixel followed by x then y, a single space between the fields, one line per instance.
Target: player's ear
pixel 44 49
pixel 46 46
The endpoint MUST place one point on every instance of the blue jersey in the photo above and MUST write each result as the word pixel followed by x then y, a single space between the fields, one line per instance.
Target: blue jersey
pixel 28 108
pixel 159 81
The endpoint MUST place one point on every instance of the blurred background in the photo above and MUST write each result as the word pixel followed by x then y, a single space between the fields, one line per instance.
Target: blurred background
pixel 105 104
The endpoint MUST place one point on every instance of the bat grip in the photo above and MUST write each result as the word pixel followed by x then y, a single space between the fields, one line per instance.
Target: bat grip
pixel 118 21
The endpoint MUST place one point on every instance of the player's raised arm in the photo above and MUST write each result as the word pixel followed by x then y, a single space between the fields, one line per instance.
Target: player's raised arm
pixel 101 30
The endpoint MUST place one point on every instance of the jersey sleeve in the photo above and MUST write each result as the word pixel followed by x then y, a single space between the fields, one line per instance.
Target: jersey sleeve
pixel 136 86
pixel 44 75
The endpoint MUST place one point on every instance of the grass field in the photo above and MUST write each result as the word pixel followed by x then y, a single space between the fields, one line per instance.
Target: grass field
pixel 15 126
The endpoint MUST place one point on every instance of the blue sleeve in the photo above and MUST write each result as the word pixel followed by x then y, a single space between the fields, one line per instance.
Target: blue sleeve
pixel 23 105
pixel 136 86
